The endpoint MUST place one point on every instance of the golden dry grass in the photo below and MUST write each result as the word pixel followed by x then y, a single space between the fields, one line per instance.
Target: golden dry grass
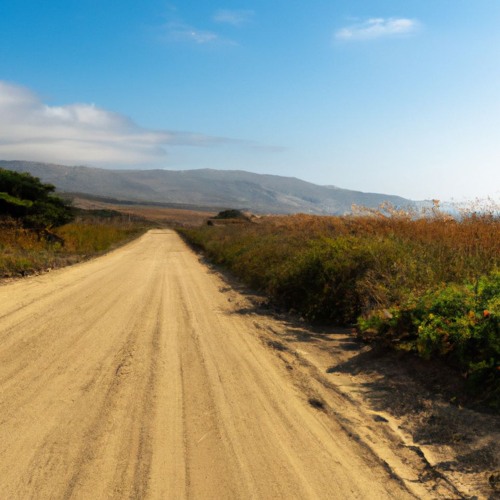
pixel 23 251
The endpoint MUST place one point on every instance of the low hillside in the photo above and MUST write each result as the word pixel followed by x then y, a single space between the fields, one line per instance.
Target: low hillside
pixel 206 187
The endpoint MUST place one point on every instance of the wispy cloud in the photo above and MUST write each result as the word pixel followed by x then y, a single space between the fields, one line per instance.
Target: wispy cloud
pixel 82 133
pixel 378 28
pixel 233 17
pixel 180 32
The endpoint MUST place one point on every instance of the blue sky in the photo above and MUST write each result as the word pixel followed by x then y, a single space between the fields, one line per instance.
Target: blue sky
pixel 383 96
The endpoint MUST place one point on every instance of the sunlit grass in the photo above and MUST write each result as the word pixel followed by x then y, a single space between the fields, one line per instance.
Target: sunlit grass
pixel 24 252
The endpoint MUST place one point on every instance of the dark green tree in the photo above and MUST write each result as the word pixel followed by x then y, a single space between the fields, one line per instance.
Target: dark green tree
pixel 25 197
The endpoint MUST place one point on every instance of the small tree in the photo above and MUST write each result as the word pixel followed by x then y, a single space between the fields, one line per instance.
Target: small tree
pixel 26 198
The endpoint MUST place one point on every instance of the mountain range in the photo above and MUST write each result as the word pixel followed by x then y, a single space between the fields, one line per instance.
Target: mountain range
pixel 258 193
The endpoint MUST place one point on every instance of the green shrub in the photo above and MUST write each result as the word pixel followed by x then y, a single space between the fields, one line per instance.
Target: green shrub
pixel 459 323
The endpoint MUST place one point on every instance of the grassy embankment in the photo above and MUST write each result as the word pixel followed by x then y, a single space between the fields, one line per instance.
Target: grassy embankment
pixel 429 285
pixel 24 251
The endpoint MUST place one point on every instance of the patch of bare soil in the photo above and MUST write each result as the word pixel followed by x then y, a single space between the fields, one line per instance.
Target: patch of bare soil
pixel 423 401
pixel 407 410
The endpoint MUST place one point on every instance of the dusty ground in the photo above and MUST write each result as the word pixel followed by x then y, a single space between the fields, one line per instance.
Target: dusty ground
pixel 142 374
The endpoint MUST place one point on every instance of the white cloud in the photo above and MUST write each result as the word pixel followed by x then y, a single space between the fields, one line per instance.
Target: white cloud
pixel 233 17
pixel 378 28
pixel 81 133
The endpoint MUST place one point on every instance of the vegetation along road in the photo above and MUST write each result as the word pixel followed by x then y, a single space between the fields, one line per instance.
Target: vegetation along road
pixel 135 376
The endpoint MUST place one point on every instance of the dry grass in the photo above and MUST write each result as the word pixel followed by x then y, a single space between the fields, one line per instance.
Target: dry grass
pixel 422 251
pixel 25 252
pixel 430 284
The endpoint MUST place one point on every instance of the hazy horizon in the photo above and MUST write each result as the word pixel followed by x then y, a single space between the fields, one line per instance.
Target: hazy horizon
pixel 395 99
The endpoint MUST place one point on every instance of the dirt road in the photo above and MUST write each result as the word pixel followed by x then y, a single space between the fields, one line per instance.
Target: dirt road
pixel 133 376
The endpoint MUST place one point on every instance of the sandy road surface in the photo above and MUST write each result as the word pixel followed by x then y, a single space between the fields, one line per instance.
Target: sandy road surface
pixel 132 376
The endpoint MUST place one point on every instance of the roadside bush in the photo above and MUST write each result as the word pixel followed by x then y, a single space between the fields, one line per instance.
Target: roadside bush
pixel 458 323
pixel 429 285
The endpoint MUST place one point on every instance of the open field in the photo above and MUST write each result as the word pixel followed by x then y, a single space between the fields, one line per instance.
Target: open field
pixel 170 216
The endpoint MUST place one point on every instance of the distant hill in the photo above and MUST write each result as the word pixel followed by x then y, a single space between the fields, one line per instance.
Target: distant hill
pixel 205 187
